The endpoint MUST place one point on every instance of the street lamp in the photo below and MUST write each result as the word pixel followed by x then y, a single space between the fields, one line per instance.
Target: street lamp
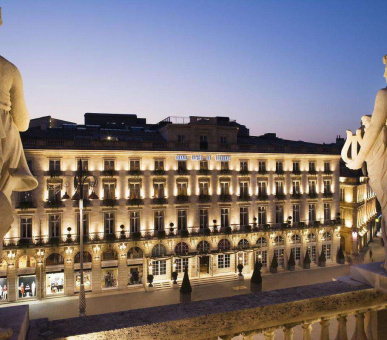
pixel 80 178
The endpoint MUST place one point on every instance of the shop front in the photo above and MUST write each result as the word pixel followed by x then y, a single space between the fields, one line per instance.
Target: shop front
pixel 135 262
pixel 26 280
pixel 3 289
pixel 86 281
pixel 54 275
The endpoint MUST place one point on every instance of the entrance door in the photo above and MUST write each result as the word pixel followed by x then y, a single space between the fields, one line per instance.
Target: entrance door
pixel 204 264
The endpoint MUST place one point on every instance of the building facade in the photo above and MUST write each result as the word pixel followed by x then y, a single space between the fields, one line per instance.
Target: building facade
pixel 358 210
pixel 197 192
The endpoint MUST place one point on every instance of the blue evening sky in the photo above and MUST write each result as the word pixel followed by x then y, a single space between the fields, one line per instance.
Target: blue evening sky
pixel 303 69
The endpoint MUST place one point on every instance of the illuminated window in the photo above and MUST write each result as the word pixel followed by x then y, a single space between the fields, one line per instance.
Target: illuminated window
pixel 261 215
pixel 134 190
pixel 134 164
pixel 54 225
pixel 182 219
pixel 134 221
pixel 224 217
pixel 25 227
pixel 203 218
pixel 54 165
pixel 312 212
pixel 244 216
pixel 159 164
pixel 223 261
pixel 109 164
pixel 159 220
pixel 109 223
pixel 296 213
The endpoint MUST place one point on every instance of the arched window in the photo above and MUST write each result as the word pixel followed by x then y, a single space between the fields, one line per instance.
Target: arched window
pixel 27 262
pixel 135 253
pixel 86 257
pixel 243 244
pixel 54 259
pixel 181 248
pixel 279 241
pixel 327 236
pixel 262 242
pixel 312 237
pixel 159 250
pixel 224 245
pixel 203 247
pixel 109 255
pixel 296 239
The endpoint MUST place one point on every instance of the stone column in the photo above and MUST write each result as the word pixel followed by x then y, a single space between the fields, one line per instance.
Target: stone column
pixel 12 283
pixel 359 331
pixel 69 274
pixel 122 272
pixel 288 332
pixel 269 334
pixel 40 281
pixel 342 328
pixel 306 331
pixel 96 275
pixel 324 334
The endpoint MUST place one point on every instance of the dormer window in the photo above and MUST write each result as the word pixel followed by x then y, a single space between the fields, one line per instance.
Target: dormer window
pixel 223 140
pixel 54 165
pixel 180 138
pixel 109 164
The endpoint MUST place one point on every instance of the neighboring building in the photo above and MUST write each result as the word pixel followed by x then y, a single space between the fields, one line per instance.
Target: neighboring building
pixel 358 209
pixel 197 191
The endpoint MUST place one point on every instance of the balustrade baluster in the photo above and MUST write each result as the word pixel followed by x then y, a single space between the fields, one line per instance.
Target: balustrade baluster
pixel 359 330
pixel 324 335
pixel 269 334
pixel 288 332
pixel 307 331
pixel 342 328
pixel 249 335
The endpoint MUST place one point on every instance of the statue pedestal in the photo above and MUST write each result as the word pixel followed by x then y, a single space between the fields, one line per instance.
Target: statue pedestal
pixel 372 274
pixel 17 319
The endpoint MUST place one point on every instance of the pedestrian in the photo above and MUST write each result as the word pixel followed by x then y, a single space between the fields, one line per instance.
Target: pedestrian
pixel 371 255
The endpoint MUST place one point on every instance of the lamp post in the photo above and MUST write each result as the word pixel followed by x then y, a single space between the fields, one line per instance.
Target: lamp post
pixel 80 179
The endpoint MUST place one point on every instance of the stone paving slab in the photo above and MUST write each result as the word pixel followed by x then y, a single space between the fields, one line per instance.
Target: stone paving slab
pixel 16 318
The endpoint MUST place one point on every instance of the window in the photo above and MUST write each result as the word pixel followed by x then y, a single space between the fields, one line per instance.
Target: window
pixel 326 248
pixel 159 220
pixel 203 218
pixel 134 190
pixel 224 217
pixel 262 242
pixel 327 211
pixel 85 221
pixel 84 164
pixel 261 256
pixel 279 187
pixel 312 167
pixel 180 138
pixel 182 219
pixel 296 239
pixel 244 216
pixel 262 191
pixel 159 164
pixel 203 143
pixel 224 245
pixel 342 194
pixel 159 267
pixel 134 221
pixel 54 225
pixel 296 187
pixel 181 264
pixel 159 250
pixel 54 165
pixel 223 261
pixel 25 227
pixel 312 212
pixel 327 167
pixel 54 191
pixel 279 214
pixel 327 186
pixel 279 167
pixel 297 253
pixel 203 165
pixel 25 196
pixel 109 223
pixel 203 188
pixel 280 254
pixel 224 166
pixel 327 236
pixel 243 244
pixel 312 237
pixel 223 140
pixel 312 253
pixel 244 189
pixel 109 190
pixel 262 166
pixel 279 241
pixel 134 164
pixel 312 187
pixel 296 213
pixel 203 247
pixel 244 166
pixel 224 188
pixel 182 188
pixel 181 248
pixel 85 189
pixel 261 215
pixel 109 164
pixel 296 167
pixel 181 165
pixel 158 189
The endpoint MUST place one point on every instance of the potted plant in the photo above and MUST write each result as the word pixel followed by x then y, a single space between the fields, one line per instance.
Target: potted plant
pixel 322 259
pixel 122 232
pixel 306 263
pixel 174 278
pixel 206 232
pixel 215 226
pixel 240 268
pixel 274 265
pixel 184 233
pixel 227 230
pixel 161 234
pixel 171 225
pixel 340 256
pixel 185 289
pixel 68 237
pixel 291 261
pixel 150 280
pixel 136 236
pixel 256 278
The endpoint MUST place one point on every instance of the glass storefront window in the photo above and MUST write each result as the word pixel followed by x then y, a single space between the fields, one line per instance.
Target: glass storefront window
pixel 86 280
pixel 27 286
pixel 135 275
pixel 54 283
pixel 3 289
pixel 109 278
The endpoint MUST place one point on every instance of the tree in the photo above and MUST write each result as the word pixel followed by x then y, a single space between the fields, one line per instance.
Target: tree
pixel 291 261
pixel 274 262
pixel 186 285
pixel 256 278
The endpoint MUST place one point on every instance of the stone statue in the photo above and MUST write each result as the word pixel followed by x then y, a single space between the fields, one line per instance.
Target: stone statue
pixel 14 172
pixel 372 139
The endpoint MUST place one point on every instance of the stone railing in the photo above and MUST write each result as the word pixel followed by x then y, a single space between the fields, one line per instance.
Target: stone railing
pixel 249 316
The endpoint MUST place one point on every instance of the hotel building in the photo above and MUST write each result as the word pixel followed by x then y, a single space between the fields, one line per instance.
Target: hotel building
pixel 197 192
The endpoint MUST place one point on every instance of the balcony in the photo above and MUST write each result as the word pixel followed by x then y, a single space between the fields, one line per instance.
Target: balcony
pixel 204 172
pixel 204 198
pixel 159 200
pixel 135 201
pixel 54 204
pixel 86 203
pixel 109 202
pixel 109 173
pixel 244 172
pixel 159 172
pixel 182 171
pixel 262 172
pixel 244 198
pixel 327 194
pixel 181 199
pixel 312 172
pixel 328 172
pixel 134 173
pixel 25 205
pixel 53 173
pixel 280 196
pixel 279 172
pixel 296 196
pixel 225 172
pixel 262 197
pixel 225 198
pixel 296 172
pixel 312 195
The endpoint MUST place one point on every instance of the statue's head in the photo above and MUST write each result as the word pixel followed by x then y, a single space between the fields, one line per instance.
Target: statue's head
pixel 385 62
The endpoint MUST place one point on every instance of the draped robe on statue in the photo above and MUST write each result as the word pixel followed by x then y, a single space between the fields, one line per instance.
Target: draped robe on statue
pixel 14 172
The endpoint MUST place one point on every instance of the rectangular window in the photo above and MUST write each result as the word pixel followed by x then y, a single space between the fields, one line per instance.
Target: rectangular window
pixel 223 261
pixel 109 223
pixel 279 187
pixel 312 253
pixel 54 165
pixel 296 187
pixel 312 212
pixel 181 165
pixel 224 217
pixel 262 166
pixel 224 188
pixel 26 227
pixel 326 248
pixel 159 164
pixel 244 189
pixel 312 167
pixel 223 140
pixel 180 138
pixel 134 220
pixel 280 256
pixel 159 267
pixel 327 186
pixel 84 164
pixel 279 214
pixel 159 220
pixel 296 213
pixel 279 167
pixel 54 190
pixel 327 167
pixel 158 190
pixel 203 218
pixel 244 166
pixel 134 190
pixel 261 256
pixel 297 253
pixel 54 225
pixel 342 194
pixel 109 164
pixel 109 190
pixel 327 212
pixel 203 165
pixel 85 224
pixel 134 164
pixel 203 188
pixel 181 264
pixel 224 166
pixel 261 215
pixel 244 216
pixel 203 143
pixel 296 167
pixel 182 219
pixel 262 191
pixel 312 186
pixel 25 196
pixel 182 188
